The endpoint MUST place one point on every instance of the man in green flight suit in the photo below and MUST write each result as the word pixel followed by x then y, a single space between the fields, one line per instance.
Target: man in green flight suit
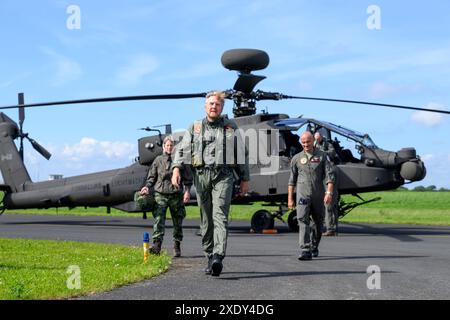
pixel 310 171
pixel 212 146
pixel 167 196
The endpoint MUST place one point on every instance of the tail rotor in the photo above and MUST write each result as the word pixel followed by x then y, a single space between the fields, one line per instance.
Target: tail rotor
pixel 36 146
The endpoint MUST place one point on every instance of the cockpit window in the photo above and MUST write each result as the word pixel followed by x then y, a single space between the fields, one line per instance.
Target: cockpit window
pixel 295 124
pixel 352 134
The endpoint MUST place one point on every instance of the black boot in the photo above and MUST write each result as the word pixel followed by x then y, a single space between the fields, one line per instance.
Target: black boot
pixel 176 249
pixel 156 247
pixel 216 266
pixel 315 252
pixel 305 255
pixel 208 269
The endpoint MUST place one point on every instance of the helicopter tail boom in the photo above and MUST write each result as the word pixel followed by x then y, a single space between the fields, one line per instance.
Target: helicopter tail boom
pixel 13 170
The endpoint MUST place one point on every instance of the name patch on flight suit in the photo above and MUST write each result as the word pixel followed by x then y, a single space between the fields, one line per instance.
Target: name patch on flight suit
pixel 315 160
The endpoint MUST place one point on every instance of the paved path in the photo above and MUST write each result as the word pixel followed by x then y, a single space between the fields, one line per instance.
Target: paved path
pixel 414 260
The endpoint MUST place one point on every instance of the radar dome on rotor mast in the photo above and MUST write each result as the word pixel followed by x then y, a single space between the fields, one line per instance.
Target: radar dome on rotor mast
pixel 245 60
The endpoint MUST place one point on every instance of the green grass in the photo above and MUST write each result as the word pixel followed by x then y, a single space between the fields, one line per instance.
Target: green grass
pixel 399 216
pixel 403 207
pixel 78 211
pixel 39 269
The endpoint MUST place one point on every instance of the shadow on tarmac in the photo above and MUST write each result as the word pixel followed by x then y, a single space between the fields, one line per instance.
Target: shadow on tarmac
pixel 259 275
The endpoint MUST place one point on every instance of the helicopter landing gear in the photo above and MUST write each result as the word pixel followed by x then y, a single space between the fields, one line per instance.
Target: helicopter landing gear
pixel 262 219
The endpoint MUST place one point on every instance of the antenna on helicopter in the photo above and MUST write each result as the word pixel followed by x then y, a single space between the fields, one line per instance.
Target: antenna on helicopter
pixel 167 126
pixel 157 130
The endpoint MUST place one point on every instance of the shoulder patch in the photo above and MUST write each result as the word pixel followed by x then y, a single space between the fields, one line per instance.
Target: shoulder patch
pixel 197 127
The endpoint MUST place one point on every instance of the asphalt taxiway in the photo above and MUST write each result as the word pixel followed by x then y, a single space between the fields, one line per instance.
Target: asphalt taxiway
pixel 413 261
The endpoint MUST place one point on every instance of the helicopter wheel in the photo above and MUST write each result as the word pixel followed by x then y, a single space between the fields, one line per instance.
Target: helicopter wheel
pixel 292 221
pixel 262 219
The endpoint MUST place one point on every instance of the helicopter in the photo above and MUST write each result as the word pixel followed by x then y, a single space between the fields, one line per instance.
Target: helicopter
pixel 369 168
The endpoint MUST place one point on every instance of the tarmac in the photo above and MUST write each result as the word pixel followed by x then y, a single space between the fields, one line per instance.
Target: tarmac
pixel 363 262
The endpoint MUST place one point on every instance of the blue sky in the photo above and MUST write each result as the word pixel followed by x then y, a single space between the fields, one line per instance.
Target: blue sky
pixel 316 48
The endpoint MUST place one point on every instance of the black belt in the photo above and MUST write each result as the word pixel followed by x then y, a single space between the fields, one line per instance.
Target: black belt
pixel 212 168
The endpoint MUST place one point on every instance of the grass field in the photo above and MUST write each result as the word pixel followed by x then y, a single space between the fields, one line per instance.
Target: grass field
pixel 42 269
pixel 429 208
pixel 404 207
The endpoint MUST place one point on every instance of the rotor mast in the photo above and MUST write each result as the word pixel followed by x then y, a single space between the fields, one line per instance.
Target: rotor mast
pixel 244 61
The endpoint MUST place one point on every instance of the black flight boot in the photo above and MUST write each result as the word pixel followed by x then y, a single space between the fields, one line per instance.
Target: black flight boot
pixel 208 267
pixel 176 249
pixel 315 252
pixel 216 266
pixel 156 247
pixel 305 255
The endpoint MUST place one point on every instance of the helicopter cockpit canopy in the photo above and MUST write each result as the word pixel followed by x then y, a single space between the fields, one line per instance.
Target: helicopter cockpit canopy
pixel 295 124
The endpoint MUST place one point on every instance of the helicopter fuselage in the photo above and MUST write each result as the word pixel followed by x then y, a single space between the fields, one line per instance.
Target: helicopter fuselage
pixel 276 142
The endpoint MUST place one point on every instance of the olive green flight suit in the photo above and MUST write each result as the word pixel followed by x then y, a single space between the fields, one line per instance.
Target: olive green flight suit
pixel 167 196
pixel 309 172
pixel 214 150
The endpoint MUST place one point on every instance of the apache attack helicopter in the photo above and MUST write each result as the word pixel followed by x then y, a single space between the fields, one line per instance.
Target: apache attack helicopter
pixel 373 169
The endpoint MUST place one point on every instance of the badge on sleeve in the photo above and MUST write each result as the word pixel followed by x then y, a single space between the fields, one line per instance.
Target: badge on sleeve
pixel 197 128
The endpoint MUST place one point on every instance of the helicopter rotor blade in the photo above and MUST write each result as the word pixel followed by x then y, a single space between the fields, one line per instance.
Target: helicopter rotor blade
pixel 368 103
pixel 111 99
pixel 263 95
pixel 39 148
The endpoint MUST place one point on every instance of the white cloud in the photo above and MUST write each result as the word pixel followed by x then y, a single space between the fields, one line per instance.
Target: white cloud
pixel 427 157
pixel 200 70
pixel 380 90
pixel 438 170
pixel 137 68
pixel 16 78
pixel 67 69
pixel 373 64
pixel 428 119
pixel 304 86
pixel 92 148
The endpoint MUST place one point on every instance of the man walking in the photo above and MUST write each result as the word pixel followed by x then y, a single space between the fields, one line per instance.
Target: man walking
pixel 212 146
pixel 310 171
pixel 167 196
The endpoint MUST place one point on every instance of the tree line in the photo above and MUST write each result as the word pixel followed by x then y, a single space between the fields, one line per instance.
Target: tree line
pixel 423 188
